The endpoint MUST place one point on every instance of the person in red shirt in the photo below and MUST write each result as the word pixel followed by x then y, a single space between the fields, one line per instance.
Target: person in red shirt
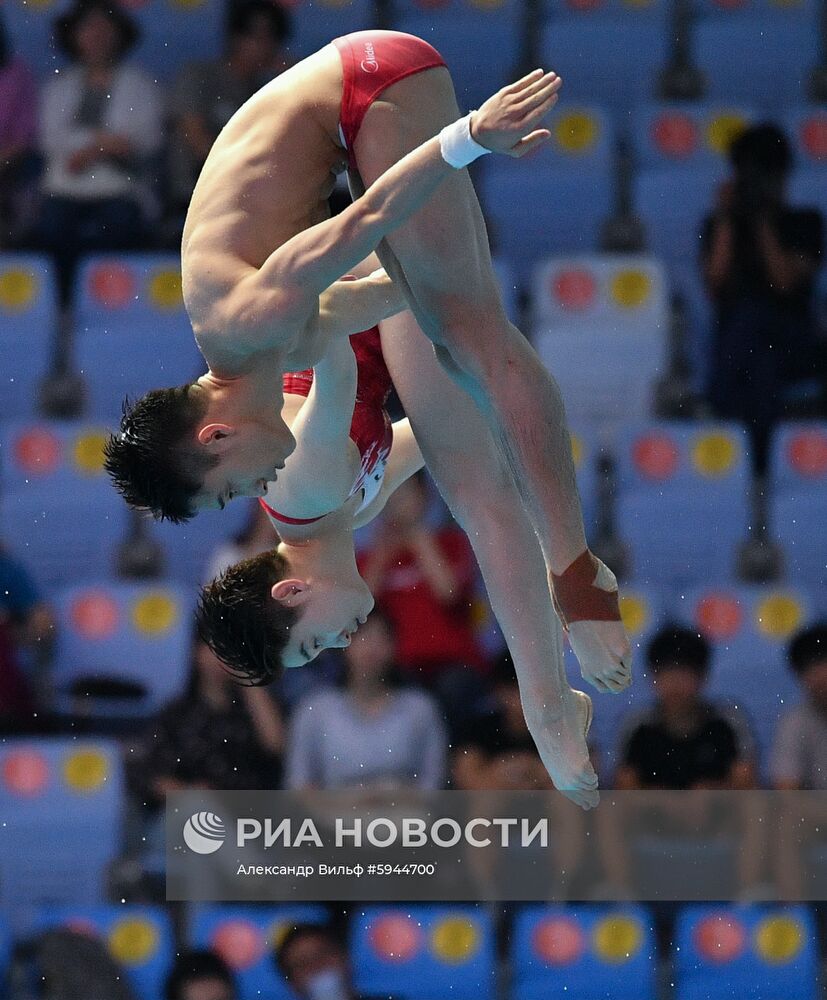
pixel 424 580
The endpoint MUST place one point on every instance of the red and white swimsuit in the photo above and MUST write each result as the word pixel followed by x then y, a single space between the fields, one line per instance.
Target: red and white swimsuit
pixel 370 429
pixel 371 62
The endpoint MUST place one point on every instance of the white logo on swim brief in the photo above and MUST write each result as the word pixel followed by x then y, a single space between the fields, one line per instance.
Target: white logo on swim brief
pixel 369 63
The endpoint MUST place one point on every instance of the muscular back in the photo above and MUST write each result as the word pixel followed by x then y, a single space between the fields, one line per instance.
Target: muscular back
pixel 267 177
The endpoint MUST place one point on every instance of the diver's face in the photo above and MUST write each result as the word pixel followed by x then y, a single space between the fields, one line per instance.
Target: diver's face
pixel 330 612
pixel 247 461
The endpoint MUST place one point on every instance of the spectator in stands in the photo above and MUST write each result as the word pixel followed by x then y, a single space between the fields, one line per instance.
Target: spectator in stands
pixel 100 127
pixel 423 579
pixel 496 749
pixel 370 733
pixel 313 960
pixel 255 537
pixel 684 740
pixel 18 129
pixel 760 258
pixel 218 735
pixel 799 757
pixel 200 975
pixel 799 762
pixel 207 94
pixel 27 629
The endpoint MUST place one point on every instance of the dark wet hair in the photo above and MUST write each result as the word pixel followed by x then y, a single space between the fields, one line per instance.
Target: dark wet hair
pixel 127 27
pixel 674 646
pixel 192 966
pixel 242 624
pixel 243 14
pixel 150 463
pixel 762 147
pixel 808 647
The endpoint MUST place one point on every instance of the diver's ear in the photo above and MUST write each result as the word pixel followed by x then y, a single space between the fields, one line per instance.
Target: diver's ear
pixel 291 593
pixel 214 432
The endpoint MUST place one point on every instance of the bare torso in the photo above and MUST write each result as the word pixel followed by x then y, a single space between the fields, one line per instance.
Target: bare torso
pixel 268 177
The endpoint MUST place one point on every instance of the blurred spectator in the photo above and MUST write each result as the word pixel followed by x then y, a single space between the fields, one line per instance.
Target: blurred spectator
pixel 18 129
pixel 218 735
pixel 100 127
pixel 684 740
pixel 369 733
pixel 207 94
pixel 256 536
pixel 496 750
pixel 423 579
pixel 799 757
pixel 200 975
pixel 313 960
pixel 760 258
pixel 26 643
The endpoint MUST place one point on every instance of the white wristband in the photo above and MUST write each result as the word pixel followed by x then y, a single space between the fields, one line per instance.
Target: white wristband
pixel 457 145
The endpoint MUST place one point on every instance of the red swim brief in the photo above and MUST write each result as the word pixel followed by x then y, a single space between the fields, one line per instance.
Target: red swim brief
pixel 371 62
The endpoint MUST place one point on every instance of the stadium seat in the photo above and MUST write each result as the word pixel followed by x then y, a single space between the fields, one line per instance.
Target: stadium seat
pixel 57 509
pixel 139 938
pixel 585 448
pixel 135 633
pixel 608 10
pixel 683 500
pixel 28 324
pixel 61 802
pixel 749 628
pixel 672 203
pixel 687 134
pixel 30 30
pixel 734 10
pixel 687 286
pixel 601 325
pixel 555 201
pixel 644 610
pixel 808 189
pixel 246 938
pixel 174 31
pixel 754 952
pixel 460 34
pixel 446 951
pixel 732 51
pixel 131 329
pixel 316 24
pixel 798 501
pixel 610 61
pixel 806 128
pixel 583 952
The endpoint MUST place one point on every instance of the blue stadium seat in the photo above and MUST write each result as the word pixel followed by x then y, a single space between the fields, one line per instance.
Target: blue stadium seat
pixel 735 10
pixel 750 628
pixel 28 322
pixel 601 325
pixel 461 35
pixel 672 203
pixel 316 24
pixel 644 610
pixel 30 29
pixel 686 283
pixel 808 189
pixel 732 51
pixel 139 938
pixel 137 633
pixel 585 447
pixel 609 61
pixel 57 509
pixel 189 547
pixel 754 952
pixel 635 11
pixel 246 938
pixel 131 329
pixel 806 128
pixel 683 500
pixel 173 31
pixel 62 803
pixel 555 201
pixel 798 500
pixel 687 135
pixel 446 951
pixel 583 952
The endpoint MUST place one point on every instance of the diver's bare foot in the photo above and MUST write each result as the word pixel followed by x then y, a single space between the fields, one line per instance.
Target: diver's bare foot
pixel 561 743
pixel 601 645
